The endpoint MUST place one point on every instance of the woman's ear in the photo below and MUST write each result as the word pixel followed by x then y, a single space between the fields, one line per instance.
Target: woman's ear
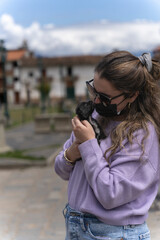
pixel 133 97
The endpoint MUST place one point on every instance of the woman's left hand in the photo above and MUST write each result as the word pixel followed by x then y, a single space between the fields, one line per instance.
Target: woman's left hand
pixel 83 130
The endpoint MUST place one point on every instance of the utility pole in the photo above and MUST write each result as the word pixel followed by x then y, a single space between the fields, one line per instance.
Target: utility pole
pixel 3 53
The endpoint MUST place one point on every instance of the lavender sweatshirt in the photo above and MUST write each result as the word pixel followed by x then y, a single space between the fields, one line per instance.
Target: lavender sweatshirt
pixel 119 194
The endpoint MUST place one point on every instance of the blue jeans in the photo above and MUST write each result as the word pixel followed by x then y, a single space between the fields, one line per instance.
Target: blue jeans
pixel 84 226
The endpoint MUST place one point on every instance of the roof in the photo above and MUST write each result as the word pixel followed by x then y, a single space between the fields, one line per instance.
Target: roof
pixel 60 61
pixel 156 53
pixel 157 49
pixel 15 55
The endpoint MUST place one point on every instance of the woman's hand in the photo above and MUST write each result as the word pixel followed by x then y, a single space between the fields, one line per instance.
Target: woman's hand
pixel 83 130
pixel 73 152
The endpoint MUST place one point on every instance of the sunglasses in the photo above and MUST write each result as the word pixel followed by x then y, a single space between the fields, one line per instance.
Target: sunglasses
pixel 104 99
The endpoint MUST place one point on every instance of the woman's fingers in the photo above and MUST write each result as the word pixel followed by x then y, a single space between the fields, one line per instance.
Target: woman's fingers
pixel 73 124
pixel 85 123
pixel 76 122
pixel 83 130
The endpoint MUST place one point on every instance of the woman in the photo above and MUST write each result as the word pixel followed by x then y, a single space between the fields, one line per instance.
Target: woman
pixel 115 183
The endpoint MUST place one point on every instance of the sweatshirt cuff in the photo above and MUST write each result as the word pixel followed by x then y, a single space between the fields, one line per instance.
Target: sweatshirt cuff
pixel 91 152
pixel 87 147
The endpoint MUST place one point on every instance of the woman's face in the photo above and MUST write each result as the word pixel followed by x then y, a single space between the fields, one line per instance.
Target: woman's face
pixel 101 85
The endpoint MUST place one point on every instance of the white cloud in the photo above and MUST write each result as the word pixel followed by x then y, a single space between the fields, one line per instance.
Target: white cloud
pixel 10 31
pixel 94 38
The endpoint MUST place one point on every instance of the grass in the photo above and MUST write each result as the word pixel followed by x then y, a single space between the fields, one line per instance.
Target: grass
pixel 23 115
pixel 56 145
pixel 24 154
pixel 20 155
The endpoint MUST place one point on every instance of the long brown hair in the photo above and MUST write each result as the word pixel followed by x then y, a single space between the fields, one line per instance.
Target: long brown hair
pixel 127 74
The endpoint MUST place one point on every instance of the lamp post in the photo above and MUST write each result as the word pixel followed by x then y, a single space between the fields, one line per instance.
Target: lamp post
pixel 3 146
pixel 42 84
pixel 3 62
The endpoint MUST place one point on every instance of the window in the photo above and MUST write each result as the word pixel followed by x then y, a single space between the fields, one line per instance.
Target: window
pixel 30 74
pixel 15 79
pixel 15 64
pixel 69 71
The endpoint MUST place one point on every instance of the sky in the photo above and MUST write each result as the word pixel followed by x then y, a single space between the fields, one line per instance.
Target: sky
pixel 72 27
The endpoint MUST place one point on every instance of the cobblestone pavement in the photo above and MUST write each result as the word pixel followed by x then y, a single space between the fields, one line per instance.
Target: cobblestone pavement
pixel 31 203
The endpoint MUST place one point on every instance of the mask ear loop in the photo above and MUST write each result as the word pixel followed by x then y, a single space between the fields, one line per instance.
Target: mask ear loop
pixel 122 101
pixel 118 113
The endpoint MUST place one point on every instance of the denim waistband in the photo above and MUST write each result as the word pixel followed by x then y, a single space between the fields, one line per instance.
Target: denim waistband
pixel 76 213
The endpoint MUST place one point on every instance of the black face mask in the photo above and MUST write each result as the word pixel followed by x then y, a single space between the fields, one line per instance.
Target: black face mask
pixel 106 111
pixel 110 110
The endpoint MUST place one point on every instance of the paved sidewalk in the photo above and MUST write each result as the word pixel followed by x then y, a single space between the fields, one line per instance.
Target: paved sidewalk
pixel 31 201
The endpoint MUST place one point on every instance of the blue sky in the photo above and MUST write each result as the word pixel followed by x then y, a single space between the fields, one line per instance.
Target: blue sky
pixel 66 27
pixel 70 12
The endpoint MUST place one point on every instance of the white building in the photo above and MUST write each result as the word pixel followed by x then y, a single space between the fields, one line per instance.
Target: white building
pixel 67 76
pixel 15 88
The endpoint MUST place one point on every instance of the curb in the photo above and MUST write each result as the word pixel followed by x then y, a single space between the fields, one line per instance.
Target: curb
pixel 19 163
pixel 23 163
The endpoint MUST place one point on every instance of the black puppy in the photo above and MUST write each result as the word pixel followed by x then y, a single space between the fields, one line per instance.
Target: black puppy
pixel 84 111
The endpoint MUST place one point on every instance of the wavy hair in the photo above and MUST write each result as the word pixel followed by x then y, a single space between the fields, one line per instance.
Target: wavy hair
pixel 127 74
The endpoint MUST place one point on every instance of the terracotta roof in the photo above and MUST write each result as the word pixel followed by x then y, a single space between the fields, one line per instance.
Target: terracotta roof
pixel 156 53
pixel 14 55
pixel 157 49
pixel 67 61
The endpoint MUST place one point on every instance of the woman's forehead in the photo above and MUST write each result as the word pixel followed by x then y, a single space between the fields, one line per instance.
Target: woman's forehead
pixel 104 86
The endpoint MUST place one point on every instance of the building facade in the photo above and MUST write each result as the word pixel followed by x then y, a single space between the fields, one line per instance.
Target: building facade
pixel 65 75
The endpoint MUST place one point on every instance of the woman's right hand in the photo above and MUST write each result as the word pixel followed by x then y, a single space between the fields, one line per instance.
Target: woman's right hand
pixel 73 152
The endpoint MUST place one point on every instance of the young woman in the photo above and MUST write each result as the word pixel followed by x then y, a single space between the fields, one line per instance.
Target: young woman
pixel 115 183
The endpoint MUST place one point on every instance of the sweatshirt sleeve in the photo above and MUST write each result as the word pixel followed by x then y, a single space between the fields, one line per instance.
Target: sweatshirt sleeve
pixel 61 167
pixel 127 176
